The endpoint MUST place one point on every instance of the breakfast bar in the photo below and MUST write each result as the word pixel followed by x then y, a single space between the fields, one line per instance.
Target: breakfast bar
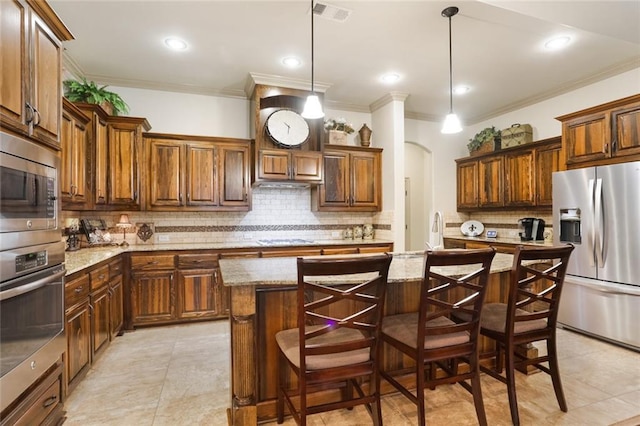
pixel 263 302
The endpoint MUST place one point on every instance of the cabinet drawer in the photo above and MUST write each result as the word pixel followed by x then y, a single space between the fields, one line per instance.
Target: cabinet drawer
pixel 99 277
pixel 76 290
pixel 375 249
pixel 292 252
pixel 341 250
pixel 45 404
pixel 143 263
pixel 39 405
pixel 196 261
pixel 239 255
pixel 115 268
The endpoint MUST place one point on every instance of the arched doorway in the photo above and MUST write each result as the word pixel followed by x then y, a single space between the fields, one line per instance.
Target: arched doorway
pixel 418 195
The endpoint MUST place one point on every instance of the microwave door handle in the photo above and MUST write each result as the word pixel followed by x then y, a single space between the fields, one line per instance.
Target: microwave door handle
pixel 35 192
pixel 599 224
pixel 17 291
pixel 592 231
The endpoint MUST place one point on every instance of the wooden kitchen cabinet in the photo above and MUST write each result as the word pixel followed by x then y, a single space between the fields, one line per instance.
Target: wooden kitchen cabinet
pixel 77 329
pixel 116 298
pixel 287 165
pixel 491 182
pixel 100 327
pixel 603 134
pixel 124 158
pixel 31 93
pixel 75 178
pixel 518 177
pixel 201 175
pixel 198 293
pixel 152 297
pixel 352 181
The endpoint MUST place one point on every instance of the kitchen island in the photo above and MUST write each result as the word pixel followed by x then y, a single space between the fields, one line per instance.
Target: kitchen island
pixel 263 302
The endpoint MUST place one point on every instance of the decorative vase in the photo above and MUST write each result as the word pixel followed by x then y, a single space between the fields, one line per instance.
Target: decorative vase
pixel 365 135
pixel 337 137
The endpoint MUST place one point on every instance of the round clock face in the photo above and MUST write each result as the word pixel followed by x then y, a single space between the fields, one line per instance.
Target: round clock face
pixel 287 128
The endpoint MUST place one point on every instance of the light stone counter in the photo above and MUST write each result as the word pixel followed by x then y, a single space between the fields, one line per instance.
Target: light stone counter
pixel 283 270
pixel 86 257
pixel 502 240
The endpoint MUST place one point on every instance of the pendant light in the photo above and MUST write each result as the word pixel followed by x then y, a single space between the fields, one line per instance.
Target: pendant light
pixel 312 108
pixel 451 122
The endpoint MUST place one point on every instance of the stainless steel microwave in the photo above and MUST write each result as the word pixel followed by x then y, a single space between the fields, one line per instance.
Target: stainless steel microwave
pixel 28 186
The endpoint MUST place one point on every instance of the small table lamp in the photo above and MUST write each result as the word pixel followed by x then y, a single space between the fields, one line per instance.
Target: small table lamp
pixel 124 224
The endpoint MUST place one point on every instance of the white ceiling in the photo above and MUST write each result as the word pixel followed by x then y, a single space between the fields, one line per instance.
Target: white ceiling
pixel 497 48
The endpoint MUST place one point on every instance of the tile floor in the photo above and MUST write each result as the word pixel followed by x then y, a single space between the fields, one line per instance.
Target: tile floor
pixel 178 375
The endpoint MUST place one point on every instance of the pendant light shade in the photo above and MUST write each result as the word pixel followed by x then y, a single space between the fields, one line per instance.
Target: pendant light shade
pixel 451 122
pixel 312 107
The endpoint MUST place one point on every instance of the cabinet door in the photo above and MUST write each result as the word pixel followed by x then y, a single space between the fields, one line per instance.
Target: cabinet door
pixel 233 176
pixel 519 173
pixel 335 192
pixel 152 297
pixel 490 182
pixel 74 170
pixel 365 180
pixel 46 74
pixel 100 149
pixel 467 185
pixel 123 173
pixel 626 131
pixel 116 316
pixel 201 175
pixel 14 71
pixel 274 164
pixel 197 293
pixel 78 331
pixel 307 166
pixel 165 174
pixel 100 330
pixel 587 138
pixel 547 162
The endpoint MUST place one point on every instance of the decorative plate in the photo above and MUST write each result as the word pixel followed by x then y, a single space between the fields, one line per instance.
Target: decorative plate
pixel 472 228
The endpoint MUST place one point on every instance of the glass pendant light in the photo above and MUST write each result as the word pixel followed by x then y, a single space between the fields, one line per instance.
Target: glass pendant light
pixel 312 107
pixel 451 122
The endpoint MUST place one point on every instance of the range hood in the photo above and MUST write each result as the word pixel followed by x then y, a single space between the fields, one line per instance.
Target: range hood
pixel 285 184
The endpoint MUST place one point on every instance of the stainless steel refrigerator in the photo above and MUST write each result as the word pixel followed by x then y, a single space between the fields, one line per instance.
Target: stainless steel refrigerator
pixel 598 210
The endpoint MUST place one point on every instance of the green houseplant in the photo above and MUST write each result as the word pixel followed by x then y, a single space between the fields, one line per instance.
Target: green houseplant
pixel 89 92
pixel 488 135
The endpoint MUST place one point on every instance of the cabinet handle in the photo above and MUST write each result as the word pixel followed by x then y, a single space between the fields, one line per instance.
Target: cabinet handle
pixel 180 198
pixel 31 112
pixel 50 401
pixel 73 190
pixel 101 276
pixel 78 290
pixel 245 197
pixel 135 195
pixel 153 262
pixel 38 117
pixel 606 148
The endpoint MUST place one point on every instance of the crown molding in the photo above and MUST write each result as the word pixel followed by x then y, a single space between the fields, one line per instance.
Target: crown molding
pixel 412 115
pixel 280 81
pixel 389 97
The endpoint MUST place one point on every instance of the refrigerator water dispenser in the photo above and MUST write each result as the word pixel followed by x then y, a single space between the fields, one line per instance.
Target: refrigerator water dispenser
pixel 570 226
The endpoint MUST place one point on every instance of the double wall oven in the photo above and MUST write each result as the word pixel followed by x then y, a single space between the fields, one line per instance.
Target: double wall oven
pixel 31 266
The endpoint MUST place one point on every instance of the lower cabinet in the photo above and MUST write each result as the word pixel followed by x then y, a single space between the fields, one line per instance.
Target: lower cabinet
pixel 197 294
pixel 94 316
pixel 43 404
pixel 152 297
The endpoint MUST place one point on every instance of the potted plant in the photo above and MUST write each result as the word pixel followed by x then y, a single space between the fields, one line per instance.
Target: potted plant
pixel 484 141
pixel 89 92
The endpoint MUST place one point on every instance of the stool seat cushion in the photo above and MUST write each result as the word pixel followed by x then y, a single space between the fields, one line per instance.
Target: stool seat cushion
pixel 494 317
pixel 288 340
pixel 404 328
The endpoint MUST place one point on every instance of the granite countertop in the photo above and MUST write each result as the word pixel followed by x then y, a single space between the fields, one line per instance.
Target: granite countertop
pixel 283 270
pixel 502 240
pixel 77 260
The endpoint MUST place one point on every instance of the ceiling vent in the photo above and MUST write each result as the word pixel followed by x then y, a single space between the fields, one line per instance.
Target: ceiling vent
pixel 331 12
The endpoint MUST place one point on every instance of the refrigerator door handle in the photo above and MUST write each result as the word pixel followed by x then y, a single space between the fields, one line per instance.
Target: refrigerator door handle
pixel 599 225
pixel 592 233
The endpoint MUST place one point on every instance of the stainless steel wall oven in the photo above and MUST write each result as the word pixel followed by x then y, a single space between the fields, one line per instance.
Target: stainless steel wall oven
pixel 31 266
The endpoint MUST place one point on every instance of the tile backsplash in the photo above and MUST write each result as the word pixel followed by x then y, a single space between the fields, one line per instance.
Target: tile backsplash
pixel 276 213
pixel 505 222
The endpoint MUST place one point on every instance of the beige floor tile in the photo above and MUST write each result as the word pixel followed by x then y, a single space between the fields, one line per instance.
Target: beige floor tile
pixel 179 375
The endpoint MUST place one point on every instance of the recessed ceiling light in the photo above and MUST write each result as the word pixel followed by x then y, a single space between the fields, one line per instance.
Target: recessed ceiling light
pixel 557 43
pixel 390 78
pixel 461 90
pixel 175 43
pixel 291 62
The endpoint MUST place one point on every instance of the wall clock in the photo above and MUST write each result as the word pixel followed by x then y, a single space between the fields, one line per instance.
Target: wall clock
pixel 287 128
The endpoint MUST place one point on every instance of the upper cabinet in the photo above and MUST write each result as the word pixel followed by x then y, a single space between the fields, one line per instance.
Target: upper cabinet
pixel 30 71
pixel 197 173
pixel 518 177
pixel 75 178
pixel 278 157
pixel 352 180
pixel 604 134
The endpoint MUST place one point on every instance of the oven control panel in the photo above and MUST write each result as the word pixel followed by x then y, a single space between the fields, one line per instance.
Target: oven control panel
pixel 28 261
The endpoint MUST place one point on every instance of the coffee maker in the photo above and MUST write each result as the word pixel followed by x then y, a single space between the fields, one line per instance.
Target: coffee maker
pixel 531 229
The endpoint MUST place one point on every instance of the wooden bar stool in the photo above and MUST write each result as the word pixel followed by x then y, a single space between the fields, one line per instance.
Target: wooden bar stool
pixel 340 304
pixel 529 316
pixel 431 338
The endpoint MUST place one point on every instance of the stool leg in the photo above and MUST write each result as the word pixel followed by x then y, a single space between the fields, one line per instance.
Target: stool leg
pixel 555 373
pixel 511 384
